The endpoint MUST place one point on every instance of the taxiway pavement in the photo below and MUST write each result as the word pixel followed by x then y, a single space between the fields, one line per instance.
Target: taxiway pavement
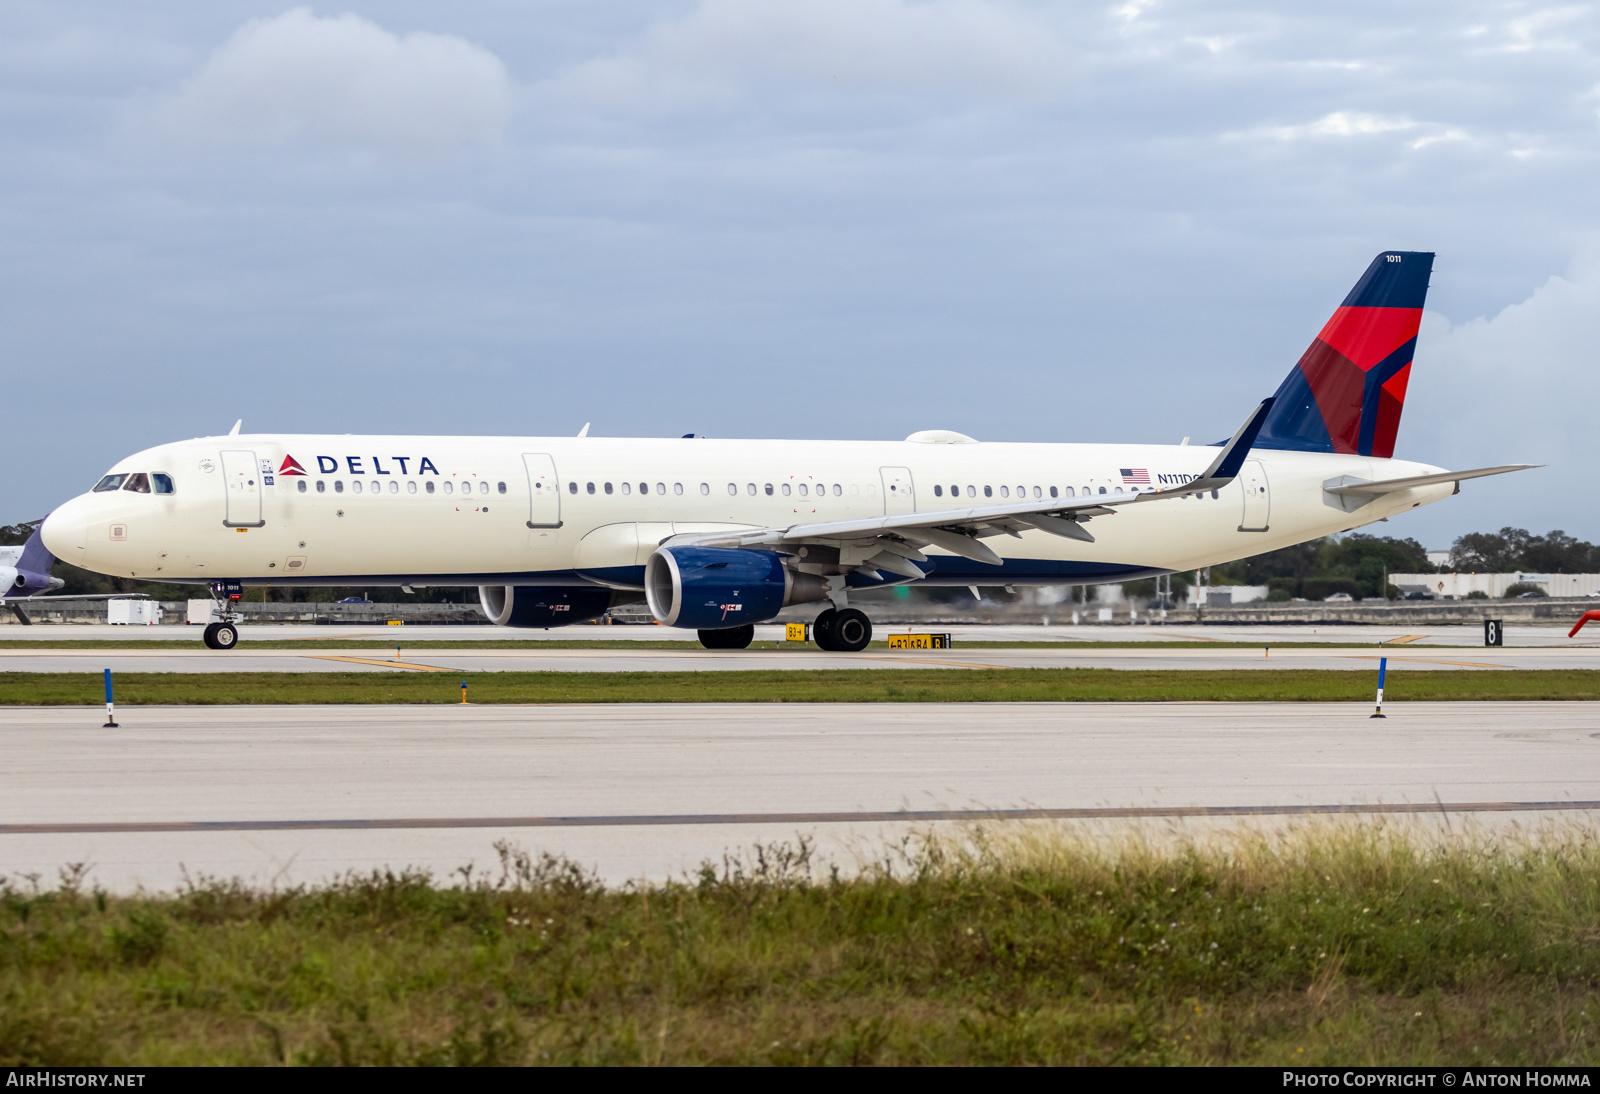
pixel 279 795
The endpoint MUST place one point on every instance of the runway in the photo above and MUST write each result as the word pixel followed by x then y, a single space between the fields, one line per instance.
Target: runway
pixel 278 795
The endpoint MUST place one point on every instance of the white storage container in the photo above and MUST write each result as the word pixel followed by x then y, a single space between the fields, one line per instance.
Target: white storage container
pixel 202 612
pixel 133 613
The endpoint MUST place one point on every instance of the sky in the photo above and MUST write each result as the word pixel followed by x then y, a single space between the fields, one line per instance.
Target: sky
pixel 792 218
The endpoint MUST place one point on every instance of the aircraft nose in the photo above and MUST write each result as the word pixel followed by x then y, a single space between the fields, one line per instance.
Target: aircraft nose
pixel 66 532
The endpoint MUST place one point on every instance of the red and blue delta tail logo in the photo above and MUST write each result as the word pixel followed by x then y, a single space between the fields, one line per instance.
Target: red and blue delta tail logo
pixel 1347 392
pixel 291 466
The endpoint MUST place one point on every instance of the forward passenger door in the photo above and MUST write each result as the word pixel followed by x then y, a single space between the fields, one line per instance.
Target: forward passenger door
pixel 241 477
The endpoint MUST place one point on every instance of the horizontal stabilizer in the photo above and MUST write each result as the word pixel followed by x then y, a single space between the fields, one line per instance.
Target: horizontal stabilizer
pixel 1346 486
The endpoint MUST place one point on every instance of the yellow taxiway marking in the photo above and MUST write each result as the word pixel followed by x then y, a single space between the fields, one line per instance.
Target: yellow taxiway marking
pixel 386 664
pixel 1430 661
pixel 947 664
pixel 1189 637
pixel 1402 640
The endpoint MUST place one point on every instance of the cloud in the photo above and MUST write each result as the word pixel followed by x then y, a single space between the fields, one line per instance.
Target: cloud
pixel 847 47
pixel 341 83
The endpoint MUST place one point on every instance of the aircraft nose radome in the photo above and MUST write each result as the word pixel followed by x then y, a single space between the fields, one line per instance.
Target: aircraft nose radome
pixel 66 532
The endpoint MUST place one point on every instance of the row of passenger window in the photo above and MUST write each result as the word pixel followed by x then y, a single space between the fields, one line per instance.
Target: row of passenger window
pixel 803 489
pixel 1038 492
pixel 444 487
pixel 138 482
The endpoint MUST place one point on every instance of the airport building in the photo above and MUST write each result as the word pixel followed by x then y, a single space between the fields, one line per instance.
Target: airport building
pixel 1458 585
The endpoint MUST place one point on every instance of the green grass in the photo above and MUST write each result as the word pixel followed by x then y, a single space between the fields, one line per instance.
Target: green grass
pixel 1019 945
pixel 802 686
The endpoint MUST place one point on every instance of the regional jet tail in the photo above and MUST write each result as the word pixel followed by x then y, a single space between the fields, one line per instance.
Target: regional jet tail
pixel 718 535
pixel 25 574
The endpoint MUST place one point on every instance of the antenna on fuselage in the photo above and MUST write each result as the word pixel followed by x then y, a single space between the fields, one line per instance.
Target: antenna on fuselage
pixel 584 432
pixel 234 432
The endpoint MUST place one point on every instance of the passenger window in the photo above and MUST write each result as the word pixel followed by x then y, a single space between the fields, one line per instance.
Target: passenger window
pixel 338 486
pixel 769 489
pixel 1102 489
pixel 572 487
pixel 110 482
pixel 163 483
pixel 1213 495
pixel 644 488
pixel 322 487
pixel 355 486
pixel 429 488
pixel 732 489
pixel 1022 492
pixel 138 482
pixel 1086 491
pixel 677 488
pixel 785 489
pixel 483 487
pixel 502 488
pixel 411 486
pixel 590 488
pixel 972 491
pixel 394 487
pixel 803 490
pixel 301 484
pixel 1039 493
pixel 938 491
pixel 1005 491
pixel 750 488
pixel 838 491
pixel 627 488
pixel 661 488
pixel 705 488
pixel 988 491
pixel 449 488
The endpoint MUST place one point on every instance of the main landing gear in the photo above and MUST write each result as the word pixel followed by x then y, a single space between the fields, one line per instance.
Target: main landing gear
pixel 221 636
pixel 842 630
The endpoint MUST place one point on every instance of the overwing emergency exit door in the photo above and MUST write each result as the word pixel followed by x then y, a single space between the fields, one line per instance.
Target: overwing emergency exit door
pixel 241 477
pixel 1257 499
pixel 898 494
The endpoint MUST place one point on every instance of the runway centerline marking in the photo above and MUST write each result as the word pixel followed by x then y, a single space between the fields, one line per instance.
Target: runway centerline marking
pixel 859 817
pixel 1431 661
pixel 384 664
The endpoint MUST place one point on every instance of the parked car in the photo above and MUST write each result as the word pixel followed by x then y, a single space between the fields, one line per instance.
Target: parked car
pixel 1161 604
pixel 1418 594
pixel 1532 594
pixel 355 600
pixel 1338 598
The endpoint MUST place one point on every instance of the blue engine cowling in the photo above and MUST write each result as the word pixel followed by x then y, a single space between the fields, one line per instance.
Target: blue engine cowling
pixel 710 588
pixel 546 605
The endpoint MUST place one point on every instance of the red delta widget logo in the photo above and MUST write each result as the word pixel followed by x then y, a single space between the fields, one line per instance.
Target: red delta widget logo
pixel 356 465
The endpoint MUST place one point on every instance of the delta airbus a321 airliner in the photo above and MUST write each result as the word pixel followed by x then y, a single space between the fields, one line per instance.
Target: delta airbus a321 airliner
pixel 718 535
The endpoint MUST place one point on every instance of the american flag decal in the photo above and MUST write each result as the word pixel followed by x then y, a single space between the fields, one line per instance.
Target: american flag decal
pixel 1135 476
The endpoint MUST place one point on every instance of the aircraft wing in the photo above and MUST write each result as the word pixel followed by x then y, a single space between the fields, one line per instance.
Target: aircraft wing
pixel 1345 486
pixel 75 596
pixel 894 542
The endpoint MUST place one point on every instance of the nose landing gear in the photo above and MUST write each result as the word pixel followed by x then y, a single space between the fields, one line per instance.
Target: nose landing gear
pixel 221 636
pixel 842 630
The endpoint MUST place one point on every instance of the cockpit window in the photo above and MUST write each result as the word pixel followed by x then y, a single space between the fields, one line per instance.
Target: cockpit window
pixel 163 483
pixel 110 482
pixel 138 482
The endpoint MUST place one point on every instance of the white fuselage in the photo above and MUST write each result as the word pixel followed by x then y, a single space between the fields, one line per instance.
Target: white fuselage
pixel 505 510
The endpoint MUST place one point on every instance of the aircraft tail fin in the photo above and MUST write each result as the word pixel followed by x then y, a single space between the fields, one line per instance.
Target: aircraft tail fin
pixel 1347 391
pixel 35 557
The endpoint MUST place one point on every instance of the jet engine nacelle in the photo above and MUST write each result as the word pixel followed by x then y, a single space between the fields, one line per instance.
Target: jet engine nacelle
pixel 710 588
pixel 546 605
pixel 17 582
